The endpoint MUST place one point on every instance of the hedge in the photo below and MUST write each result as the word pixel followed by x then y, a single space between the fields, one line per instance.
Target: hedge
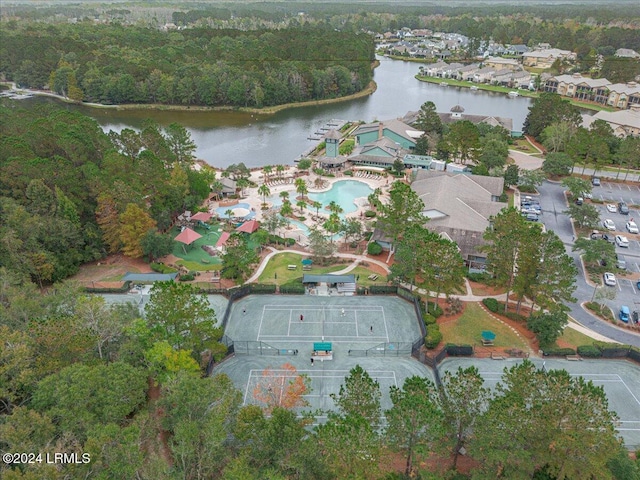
pixel 262 288
pixel 492 304
pixel 279 240
pixel 374 249
pixel 590 351
pixel 478 277
pixel 435 310
pixel 428 319
pixel 383 289
pixel 187 277
pixel 558 352
pixel 292 288
pixel 434 336
pixel 459 350
pixel 162 268
pixel 123 289
pixel 514 316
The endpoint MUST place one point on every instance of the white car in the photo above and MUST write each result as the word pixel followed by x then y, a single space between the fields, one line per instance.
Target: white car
pixel 622 241
pixel 611 207
pixel 608 224
pixel 632 227
pixel 609 279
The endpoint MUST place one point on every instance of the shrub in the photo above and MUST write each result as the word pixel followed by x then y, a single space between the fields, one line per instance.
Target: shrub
pixel 590 351
pixel 261 288
pixel 348 173
pixel 374 248
pixel 162 268
pixel 369 214
pixel 492 304
pixel 435 310
pixel 187 277
pixel 515 316
pixel 428 319
pixel 292 288
pixel 454 306
pixel 434 336
pixel 558 352
pixel 479 277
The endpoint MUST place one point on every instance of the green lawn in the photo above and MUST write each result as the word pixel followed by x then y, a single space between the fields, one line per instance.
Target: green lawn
pixel 468 329
pixel 575 338
pixel 279 263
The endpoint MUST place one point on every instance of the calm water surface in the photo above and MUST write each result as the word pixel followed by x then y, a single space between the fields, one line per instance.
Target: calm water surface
pixel 223 138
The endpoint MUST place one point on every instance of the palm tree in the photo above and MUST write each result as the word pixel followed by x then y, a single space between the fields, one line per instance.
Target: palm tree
pixel 301 187
pixel 265 192
pixel 332 225
pixel 280 170
pixel 229 214
pixel 284 195
pixel 267 169
pixel 216 188
pixel 334 208
pixel 242 183
pixel 301 205
pixel 286 209
pixel 317 205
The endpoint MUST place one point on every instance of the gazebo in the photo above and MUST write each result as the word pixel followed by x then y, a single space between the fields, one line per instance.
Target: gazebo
pixel 249 226
pixel 187 237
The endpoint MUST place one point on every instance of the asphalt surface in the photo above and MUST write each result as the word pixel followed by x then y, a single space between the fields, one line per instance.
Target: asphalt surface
pixel 553 204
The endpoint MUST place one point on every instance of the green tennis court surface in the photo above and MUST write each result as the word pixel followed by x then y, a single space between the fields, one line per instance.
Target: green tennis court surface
pixel 620 380
pixel 375 332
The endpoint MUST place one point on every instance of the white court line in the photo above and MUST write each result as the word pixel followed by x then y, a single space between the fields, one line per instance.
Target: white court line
pixel 384 319
pixel 356 318
pixel 290 319
pixel 630 392
pixel 260 326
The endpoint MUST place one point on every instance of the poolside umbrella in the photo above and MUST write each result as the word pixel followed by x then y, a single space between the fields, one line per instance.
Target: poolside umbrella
pixel 187 237
pixel 488 335
pixel 202 216
pixel 307 261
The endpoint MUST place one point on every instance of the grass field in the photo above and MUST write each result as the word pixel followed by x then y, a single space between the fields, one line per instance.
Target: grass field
pixel 467 329
pixel 575 338
pixel 278 266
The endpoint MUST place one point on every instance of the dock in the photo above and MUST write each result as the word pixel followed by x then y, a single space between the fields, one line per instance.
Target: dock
pixel 318 135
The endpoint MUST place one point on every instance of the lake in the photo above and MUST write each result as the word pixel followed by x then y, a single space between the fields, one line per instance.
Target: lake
pixel 224 138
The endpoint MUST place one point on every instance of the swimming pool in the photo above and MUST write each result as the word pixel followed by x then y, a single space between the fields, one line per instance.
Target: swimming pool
pixel 343 193
pixel 240 210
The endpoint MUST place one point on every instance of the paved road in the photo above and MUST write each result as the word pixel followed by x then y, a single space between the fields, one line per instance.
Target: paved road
pixel 553 204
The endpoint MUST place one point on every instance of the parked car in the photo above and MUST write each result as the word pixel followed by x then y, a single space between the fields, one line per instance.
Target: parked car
pixel 608 224
pixel 611 207
pixel 609 279
pixel 595 181
pixel 634 316
pixel 531 217
pixel 597 235
pixel 579 201
pixel 623 208
pixel 588 195
pixel 622 241
pixel 632 227
pixel 624 314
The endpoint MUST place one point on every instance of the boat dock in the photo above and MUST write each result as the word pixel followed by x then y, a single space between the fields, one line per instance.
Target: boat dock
pixel 318 135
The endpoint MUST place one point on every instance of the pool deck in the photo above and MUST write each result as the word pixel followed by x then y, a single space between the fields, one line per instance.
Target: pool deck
pixel 252 197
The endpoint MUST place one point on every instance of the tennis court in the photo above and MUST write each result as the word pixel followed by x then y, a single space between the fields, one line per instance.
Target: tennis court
pixel 375 332
pixel 620 380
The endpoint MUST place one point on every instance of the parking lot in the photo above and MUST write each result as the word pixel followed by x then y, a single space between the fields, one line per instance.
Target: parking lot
pixel 554 204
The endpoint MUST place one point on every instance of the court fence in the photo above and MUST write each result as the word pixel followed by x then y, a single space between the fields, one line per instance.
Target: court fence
pixel 256 347
pixel 385 349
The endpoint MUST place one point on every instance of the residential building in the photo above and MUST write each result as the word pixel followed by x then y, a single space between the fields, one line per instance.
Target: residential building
pixel 502 77
pixel 577 86
pixel 500 63
pixel 623 95
pixel 483 75
pixel 627 53
pixel 459 207
pixel 623 123
pixel 467 72
pixel 521 79
pixel 544 58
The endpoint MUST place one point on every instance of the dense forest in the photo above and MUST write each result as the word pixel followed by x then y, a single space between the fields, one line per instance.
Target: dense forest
pixel 68 191
pixel 112 64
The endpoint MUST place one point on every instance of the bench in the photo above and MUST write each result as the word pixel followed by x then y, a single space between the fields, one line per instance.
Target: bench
pixel 373 277
pixel 306 267
pixel 322 351
pixel 496 356
pixel 292 267
pixel 573 358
